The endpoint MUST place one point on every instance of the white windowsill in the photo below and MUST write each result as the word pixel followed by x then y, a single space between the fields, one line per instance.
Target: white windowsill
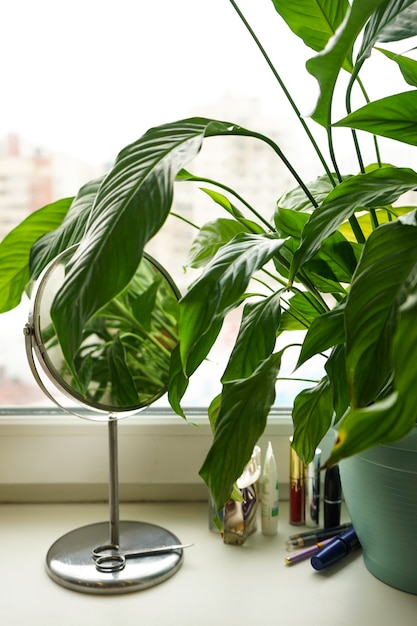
pixel 217 584
pixel 50 456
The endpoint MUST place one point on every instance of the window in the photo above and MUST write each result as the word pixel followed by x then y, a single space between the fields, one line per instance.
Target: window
pixel 91 78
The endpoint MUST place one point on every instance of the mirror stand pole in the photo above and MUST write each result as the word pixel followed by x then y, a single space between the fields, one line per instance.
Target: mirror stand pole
pixel 113 481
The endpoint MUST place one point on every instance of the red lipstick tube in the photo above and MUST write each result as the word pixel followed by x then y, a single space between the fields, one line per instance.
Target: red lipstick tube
pixel 297 488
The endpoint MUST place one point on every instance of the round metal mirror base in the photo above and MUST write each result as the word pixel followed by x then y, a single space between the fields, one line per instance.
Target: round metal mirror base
pixel 69 561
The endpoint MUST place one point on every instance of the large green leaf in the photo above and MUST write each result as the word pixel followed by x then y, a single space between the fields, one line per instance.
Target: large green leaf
pixel 325 331
pixel 69 232
pixel 296 199
pixel 336 371
pixel 240 422
pixel 377 188
pixel 16 247
pixel 393 117
pixel 222 285
pixel 256 338
pixel 131 205
pixel 388 258
pixel 315 21
pixel 210 238
pixel 394 416
pixel 312 417
pixel 327 65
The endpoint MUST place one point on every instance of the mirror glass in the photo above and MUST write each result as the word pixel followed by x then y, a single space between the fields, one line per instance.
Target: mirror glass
pixel 123 362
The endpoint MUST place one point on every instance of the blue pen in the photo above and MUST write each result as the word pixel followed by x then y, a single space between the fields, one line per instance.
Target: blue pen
pixel 338 548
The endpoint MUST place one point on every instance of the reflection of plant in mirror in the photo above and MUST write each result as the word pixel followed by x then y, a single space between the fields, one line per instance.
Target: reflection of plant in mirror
pixel 124 357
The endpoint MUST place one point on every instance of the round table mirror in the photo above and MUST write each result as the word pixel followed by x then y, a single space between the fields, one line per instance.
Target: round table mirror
pixel 121 367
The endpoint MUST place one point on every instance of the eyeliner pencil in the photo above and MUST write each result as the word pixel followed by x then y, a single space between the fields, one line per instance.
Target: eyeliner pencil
pixel 310 538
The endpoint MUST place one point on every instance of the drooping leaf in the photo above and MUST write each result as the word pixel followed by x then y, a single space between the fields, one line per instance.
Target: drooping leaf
pixel 393 117
pixel 336 371
pixel 392 21
pixel 240 421
pixel 312 417
pixel 256 338
pixel 16 247
pixel 122 383
pixel 69 232
pixel 325 331
pixel 384 268
pixel 178 377
pixel 131 205
pixel 377 188
pixel 327 65
pixel 222 285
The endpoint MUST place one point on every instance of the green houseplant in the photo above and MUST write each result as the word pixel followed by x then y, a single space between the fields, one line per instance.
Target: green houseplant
pixel 337 257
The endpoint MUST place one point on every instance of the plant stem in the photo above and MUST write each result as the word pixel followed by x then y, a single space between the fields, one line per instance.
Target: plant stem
pixel 285 90
pixel 286 162
pixel 198 179
pixel 184 219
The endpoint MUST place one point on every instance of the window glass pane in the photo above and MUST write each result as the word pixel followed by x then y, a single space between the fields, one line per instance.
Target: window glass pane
pixel 83 79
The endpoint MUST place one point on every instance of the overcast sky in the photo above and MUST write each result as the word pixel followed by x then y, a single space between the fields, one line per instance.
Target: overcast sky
pixel 89 76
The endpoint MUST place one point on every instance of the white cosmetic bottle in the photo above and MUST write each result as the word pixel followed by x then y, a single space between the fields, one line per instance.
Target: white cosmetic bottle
pixel 269 494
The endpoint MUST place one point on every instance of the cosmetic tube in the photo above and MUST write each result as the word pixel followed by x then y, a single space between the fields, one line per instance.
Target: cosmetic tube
pixel 297 488
pixel 313 491
pixel 332 497
pixel 269 494
pixel 338 548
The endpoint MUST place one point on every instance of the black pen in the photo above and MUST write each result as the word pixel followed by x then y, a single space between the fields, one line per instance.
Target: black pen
pixel 309 538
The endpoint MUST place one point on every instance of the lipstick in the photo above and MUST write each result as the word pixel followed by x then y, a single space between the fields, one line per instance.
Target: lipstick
pixel 337 549
pixel 297 488
pixel 332 497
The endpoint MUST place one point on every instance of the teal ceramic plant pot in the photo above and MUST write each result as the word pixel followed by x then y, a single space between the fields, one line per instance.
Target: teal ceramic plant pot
pixel 380 490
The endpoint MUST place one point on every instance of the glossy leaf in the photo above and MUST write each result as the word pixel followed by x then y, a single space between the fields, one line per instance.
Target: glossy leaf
pixel 240 421
pixel 256 338
pixel 123 385
pixel 15 250
pixel 325 331
pixel 327 65
pixel 222 285
pixel 312 417
pixel 392 21
pixel 377 188
pixel 384 268
pixel 210 238
pixel 313 20
pixel 131 205
pixel 393 117
pixel 336 372
pixel 69 232
pixel 301 310
pixel 297 200
pixel 179 377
